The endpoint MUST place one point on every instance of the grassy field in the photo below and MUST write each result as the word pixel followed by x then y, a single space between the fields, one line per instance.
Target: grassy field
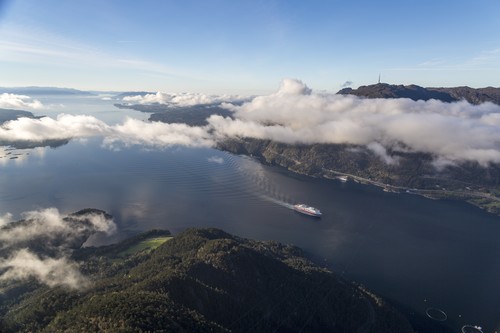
pixel 145 245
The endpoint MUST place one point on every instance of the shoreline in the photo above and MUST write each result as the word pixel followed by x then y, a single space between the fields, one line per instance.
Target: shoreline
pixel 491 206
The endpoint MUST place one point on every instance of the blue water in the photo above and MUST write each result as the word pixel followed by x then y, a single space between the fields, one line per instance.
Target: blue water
pixel 419 252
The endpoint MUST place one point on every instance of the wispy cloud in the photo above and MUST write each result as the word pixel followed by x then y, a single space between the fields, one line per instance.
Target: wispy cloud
pixel 4 219
pixel 54 232
pixel 49 223
pixel 435 62
pixel 20 44
pixel 39 47
pixel 381 152
pixel 346 84
pixel 24 264
pixel 484 60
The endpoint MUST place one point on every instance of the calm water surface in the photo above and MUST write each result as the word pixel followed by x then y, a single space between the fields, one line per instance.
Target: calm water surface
pixel 419 252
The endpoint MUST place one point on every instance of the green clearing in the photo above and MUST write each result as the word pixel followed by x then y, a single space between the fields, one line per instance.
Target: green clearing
pixel 145 245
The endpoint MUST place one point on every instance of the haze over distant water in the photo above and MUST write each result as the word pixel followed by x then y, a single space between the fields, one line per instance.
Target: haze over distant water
pixel 419 252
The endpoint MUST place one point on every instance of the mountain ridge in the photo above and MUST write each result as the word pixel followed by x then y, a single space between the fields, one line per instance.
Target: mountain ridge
pixel 38 90
pixel 415 92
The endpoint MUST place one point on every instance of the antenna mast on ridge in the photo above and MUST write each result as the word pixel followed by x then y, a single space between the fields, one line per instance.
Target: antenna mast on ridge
pixel 378 77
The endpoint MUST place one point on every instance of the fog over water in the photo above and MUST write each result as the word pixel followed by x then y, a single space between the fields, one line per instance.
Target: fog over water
pixel 419 252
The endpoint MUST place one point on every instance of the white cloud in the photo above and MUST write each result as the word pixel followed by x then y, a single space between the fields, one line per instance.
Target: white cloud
pixel 63 127
pixel 182 99
pixel 38 229
pixel 454 131
pixel 441 163
pixel 157 134
pixel 130 132
pixel 49 223
pixel 4 219
pixel 21 102
pixel 96 223
pixel 24 264
pixel 293 87
pixel 381 152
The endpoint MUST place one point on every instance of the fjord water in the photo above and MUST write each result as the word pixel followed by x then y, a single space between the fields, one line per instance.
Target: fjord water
pixel 415 251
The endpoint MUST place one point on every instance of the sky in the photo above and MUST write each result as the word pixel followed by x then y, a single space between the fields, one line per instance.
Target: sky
pixel 247 46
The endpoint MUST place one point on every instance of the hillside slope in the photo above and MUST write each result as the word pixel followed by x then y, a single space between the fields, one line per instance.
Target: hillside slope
pixel 202 280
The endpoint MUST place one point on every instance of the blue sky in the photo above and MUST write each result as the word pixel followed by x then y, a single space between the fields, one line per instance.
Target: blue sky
pixel 247 47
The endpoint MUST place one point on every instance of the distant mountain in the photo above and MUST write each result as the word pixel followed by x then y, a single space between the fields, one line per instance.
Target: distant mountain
pixel 33 91
pixel 132 93
pixel 9 114
pixel 414 92
pixel 201 280
pixel 195 115
pixel 473 96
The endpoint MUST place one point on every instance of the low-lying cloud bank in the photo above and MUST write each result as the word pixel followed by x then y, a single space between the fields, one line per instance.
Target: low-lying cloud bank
pixel 452 132
pixel 157 134
pixel 130 132
pixel 183 99
pixel 40 246
pixel 20 102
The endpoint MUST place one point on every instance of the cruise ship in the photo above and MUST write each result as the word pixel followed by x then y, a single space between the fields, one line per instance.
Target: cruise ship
pixel 308 210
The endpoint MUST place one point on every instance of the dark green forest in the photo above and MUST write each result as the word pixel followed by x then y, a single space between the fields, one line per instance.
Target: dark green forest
pixel 202 280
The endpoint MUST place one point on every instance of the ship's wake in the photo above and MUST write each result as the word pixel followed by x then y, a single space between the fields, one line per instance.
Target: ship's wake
pixel 262 186
pixel 276 201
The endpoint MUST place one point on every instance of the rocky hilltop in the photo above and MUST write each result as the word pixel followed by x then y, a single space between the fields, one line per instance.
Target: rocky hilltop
pixel 414 92
pixel 9 114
